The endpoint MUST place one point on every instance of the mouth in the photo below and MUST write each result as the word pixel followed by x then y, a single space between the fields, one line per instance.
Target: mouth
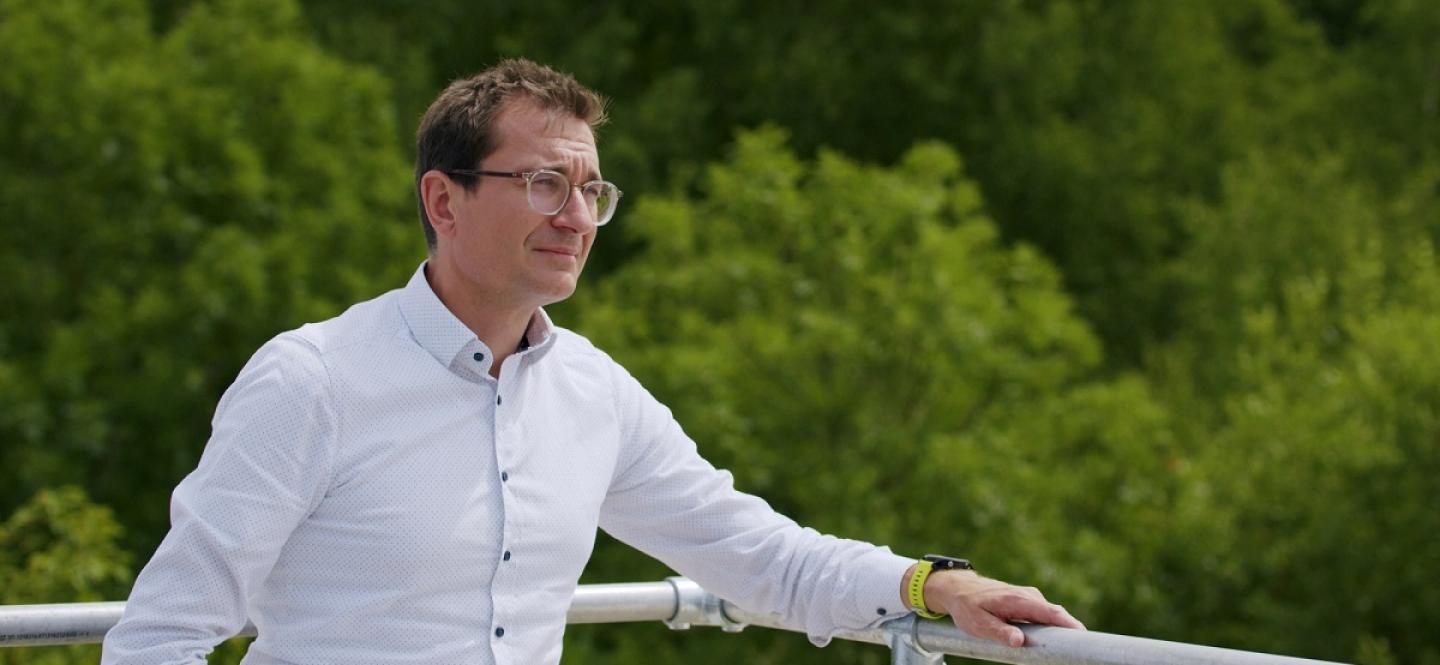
pixel 559 251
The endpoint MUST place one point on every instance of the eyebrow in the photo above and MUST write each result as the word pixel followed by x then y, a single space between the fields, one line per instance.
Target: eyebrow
pixel 593 175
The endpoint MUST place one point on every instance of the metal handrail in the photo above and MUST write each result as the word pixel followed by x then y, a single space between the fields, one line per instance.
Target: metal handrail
pixel 680 603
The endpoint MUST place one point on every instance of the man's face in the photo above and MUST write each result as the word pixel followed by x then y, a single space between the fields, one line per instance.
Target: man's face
pixel 511 254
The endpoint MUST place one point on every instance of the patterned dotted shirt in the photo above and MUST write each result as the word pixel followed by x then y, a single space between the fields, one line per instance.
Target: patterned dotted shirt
pixel 370 494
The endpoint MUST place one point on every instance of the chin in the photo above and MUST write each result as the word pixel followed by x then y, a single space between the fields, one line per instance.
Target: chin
pixel 559 291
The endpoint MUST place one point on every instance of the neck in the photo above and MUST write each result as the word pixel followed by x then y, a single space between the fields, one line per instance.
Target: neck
pixel 499 324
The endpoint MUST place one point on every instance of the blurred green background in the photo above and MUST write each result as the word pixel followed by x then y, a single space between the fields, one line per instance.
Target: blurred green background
pixel 1135 301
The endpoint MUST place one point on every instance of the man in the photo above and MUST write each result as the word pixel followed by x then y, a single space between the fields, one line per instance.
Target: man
pixel 419 479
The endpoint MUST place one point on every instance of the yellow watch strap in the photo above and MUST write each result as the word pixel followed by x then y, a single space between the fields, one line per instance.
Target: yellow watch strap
pixel 915 589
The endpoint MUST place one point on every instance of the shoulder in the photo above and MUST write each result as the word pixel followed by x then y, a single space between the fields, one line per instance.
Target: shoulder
pixel 376 320
pixel 300 360
pixel 579 346
pixel 585 365
pixel 577 352
pixel 583 358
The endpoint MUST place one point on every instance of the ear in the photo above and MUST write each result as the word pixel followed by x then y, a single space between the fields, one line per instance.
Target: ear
pixel 439 193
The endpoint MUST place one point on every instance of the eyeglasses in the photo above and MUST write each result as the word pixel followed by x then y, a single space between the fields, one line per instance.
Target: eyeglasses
pixel 548 192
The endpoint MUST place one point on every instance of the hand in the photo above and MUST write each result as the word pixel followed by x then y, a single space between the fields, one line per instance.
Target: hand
pixel 983 607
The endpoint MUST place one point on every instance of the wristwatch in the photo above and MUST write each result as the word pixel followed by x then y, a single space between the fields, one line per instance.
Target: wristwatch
pixel 915 588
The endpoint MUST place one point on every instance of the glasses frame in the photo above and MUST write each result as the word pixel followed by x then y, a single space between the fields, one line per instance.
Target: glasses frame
pixel 530 175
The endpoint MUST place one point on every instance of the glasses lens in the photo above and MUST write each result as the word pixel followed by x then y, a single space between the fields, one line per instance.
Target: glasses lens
pixel 548 191
pixel 601 197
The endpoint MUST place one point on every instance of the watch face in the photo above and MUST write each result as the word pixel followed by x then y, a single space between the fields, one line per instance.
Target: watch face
pixel 948 563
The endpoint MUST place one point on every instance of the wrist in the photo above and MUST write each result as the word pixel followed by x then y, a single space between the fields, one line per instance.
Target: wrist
pixel 917 589
pixel 904 581
pixel 944 585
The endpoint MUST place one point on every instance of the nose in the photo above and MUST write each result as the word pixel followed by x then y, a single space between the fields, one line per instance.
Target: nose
pixel 575 215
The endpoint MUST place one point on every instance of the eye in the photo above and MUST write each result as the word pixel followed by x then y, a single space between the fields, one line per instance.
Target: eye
pixel 548 183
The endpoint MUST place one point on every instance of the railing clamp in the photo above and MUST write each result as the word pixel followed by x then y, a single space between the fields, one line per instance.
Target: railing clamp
pixel 695 605
pixel 904 643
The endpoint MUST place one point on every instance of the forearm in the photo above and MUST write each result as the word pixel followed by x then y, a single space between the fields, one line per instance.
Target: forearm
pixel 187 599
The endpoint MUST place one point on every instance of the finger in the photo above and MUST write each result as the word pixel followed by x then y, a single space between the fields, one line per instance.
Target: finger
pixel 1014 637
pixel 1048 614
pixel 1023 608
pixel 1066 620
pixel 987 626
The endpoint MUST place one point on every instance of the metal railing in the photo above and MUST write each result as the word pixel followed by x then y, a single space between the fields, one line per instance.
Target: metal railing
pixel 681 604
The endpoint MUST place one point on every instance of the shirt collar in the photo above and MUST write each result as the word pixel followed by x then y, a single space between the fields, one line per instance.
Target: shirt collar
pixel 539 334
pixel 443 335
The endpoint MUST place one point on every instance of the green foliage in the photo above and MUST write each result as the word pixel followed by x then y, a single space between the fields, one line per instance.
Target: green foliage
pixel 854 342
pixel 170 202
pixel 1313 369
pixel 1087 125
pixel 1327 462
pixel 877 303
pixel 1083 122
pixel 1165 345
pixel 58 547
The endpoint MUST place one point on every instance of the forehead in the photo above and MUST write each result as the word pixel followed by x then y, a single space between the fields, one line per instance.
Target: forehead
pixel 523 130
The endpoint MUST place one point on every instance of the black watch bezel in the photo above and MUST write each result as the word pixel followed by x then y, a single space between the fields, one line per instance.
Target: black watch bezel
pixel 942 562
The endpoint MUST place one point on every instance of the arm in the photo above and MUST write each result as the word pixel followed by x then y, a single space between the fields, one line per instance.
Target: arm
pixel 264 469
pixel 668 502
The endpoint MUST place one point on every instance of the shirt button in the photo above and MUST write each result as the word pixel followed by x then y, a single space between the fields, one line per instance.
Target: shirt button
pixel 497 400
pixel 504 476
pixel 507 555
pixel 479 356
pixel 499 632
pixel 880 611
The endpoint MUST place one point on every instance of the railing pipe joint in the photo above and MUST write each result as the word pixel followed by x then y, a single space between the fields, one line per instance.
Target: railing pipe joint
pixel 695 605
pixel 903 638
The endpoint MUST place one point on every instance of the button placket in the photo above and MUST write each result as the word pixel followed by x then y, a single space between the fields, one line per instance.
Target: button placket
pixel 507 571
pixel 503 435
pixel 507 442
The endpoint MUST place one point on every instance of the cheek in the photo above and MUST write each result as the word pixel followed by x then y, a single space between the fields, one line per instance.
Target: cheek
pixel 492 237
pixel 479 252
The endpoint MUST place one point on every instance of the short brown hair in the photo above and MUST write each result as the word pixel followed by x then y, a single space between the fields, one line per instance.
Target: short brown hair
pixel 457 131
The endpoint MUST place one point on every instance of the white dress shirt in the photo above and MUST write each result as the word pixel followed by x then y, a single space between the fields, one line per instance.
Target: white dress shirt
pixel 370 494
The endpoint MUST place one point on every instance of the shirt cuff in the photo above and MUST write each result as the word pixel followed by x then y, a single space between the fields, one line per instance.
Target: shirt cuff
pixel 874 592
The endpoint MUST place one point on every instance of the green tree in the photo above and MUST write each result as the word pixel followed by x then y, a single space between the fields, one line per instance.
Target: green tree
pixel 1083 122
pixel 1310 372
pixel 170 201
pixel 1238 198
pixel 859 347
pixel 58 547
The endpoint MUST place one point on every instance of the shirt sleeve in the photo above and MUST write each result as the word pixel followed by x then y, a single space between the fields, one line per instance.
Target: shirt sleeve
pixel 264 469
pixel 668 502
